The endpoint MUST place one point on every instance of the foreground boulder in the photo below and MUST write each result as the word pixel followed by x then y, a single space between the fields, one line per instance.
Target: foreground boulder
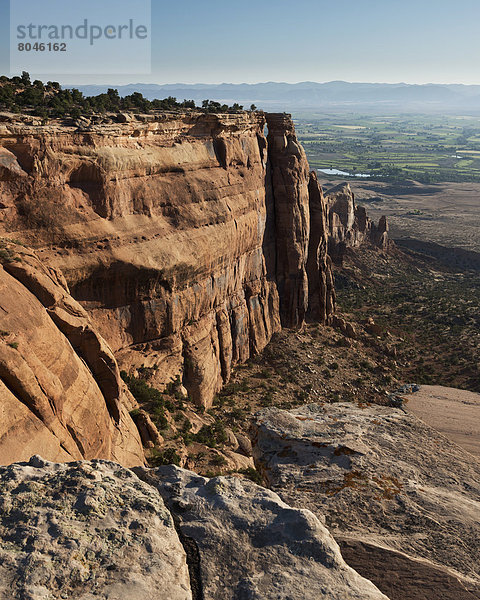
pixel 94 530
pixel 86 531
pixel 384 478
pixel 248 544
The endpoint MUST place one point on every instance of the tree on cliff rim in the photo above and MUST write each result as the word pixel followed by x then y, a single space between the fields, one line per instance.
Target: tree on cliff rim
pixel 19 94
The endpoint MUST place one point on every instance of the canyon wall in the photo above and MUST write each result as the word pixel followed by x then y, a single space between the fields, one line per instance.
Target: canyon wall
pixel 189 239
pixel 60 388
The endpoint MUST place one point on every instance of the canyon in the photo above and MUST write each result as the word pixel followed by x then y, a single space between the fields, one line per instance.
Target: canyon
pixel 178 243
pixel 165 279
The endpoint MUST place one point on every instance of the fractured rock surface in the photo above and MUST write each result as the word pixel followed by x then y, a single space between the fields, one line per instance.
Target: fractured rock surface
pixel 60 387
pixel 380 476
pixel 86 531
pixel 252 545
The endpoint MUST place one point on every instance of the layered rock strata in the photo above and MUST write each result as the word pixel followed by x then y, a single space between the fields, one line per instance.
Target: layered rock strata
pixel 321 287
pixel 288 194
pixel 189 239
pixel 60 387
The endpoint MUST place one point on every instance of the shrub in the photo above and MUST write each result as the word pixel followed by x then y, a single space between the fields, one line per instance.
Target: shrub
pixel 211 435
pixel 219 460
pixel 144 394
pixel 173 388
pixel 264 374
pixel 168 456
pixel 50 100
pixel 253 475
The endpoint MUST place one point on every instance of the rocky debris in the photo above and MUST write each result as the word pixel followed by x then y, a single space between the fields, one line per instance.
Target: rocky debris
pixel 380 476
pixel 9 167
pixel 347 328
pixel 146 427
pixel 249 544
pixel 125 118
pixel 83 123
pixel 349 225
pixel 397 397
pixel 373 328
pixel 407 388
pixel 244 444
pixel 24 119
pixel 236 462
pixel 87 531
pixel 60 387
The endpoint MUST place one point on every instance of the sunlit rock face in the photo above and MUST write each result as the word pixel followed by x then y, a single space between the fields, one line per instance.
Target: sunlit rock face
pixel 60 387
pixel 398 495
pixel 86 530
pixel 349 225
pixel 185 238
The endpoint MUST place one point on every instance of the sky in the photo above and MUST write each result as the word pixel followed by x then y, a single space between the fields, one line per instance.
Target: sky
pixel 212 41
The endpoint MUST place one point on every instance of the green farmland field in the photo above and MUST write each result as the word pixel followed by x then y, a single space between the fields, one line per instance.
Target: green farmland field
pixel 425 148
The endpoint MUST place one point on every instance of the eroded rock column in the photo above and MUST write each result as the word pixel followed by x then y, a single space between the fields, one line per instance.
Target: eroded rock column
pixel 288 191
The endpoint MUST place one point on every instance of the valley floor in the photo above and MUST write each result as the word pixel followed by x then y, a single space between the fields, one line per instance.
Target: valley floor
pixel 412 320
pixel 444 213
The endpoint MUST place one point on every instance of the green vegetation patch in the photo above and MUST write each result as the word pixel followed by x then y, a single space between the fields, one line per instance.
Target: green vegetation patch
pixel 426 148
pixel 49 100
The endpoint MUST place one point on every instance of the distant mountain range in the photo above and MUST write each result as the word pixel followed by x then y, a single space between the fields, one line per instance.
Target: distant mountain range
pixel 311 96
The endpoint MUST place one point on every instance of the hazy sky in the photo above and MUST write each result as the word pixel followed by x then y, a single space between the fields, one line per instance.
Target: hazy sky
pixel 211 41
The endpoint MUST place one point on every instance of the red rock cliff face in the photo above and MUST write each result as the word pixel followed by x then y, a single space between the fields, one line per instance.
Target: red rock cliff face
pixel 158 229
pixel 185 239
pixel 288 194
pixel 189 239
pixel 349 225
pixel 321 286
pixel 301 266
pixel 60 389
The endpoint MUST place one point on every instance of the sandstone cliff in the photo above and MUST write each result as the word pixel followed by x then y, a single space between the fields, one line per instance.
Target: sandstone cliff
pixel 60 388
pixel 188 239
pixel 349 225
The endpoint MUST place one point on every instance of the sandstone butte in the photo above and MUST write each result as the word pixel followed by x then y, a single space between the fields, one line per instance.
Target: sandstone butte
pixel 181 242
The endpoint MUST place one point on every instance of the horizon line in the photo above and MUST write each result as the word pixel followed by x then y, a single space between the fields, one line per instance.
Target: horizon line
pixel 200 83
